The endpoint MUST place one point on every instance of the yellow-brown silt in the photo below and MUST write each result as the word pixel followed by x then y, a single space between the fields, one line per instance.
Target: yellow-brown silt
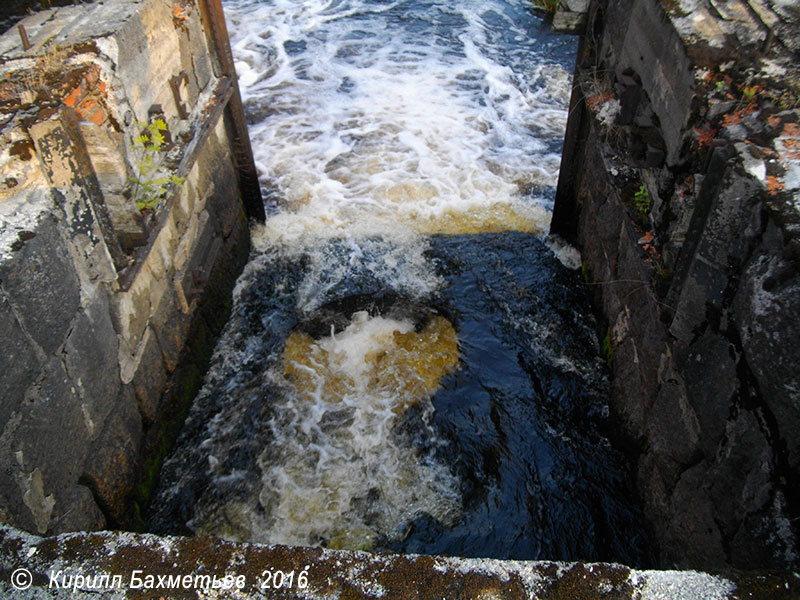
pixel 373 357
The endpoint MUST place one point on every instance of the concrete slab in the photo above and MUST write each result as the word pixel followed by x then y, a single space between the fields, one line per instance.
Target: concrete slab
pixel 109 565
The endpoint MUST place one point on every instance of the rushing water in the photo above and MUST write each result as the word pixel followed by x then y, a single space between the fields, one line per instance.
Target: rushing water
pixel 408 366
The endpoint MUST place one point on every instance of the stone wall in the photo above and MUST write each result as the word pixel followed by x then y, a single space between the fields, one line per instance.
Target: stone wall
pixel 108 307
pixel 680 185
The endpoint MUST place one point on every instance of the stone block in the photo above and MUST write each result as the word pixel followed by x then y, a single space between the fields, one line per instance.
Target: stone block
pixel 672 426
pixel 150 377
pixel 79 513
pixel 709 374
pixel 90 357
pixel 201 56
pixel 654 490
pixel 197 224
pixel 12 507
pixel 66 163
pixel 741 480
pixel 171 327
pixel 107 152
pixel 51 437
pixel 158 287
pixel 184 203
pixel 642 44
pixel 692 538
pixel 725 233
pixel 149 55
pixel 189 88
pixel 165 245
pixel 566 21
pixel 155 263
pixel 131 310
pixel 626 389
pixel 18 362
pixel 766 308
pixel 224 202
pixel 42 285
pixel 765 539
pixel 114 460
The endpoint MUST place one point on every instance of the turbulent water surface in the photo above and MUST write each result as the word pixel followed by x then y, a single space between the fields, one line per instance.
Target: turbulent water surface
pixel 408 366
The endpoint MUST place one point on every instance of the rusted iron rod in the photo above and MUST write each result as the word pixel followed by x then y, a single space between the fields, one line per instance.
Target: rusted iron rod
pixel 23 35
pixel 217 32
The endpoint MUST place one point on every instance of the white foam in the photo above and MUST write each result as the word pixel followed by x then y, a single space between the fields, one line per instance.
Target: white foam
pixel 337 472
pixel 370 128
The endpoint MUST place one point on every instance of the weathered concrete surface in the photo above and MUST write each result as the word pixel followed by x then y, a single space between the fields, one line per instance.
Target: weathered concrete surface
pixel 679 185
pixel 76 566
pixel 107 309
pixel 570 16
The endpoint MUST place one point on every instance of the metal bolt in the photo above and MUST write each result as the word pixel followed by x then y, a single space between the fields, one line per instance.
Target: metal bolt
pixel 23 35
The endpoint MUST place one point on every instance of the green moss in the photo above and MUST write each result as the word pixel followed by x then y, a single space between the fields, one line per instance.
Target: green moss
pixel 584 272
pixel 641 202
pixel 607 348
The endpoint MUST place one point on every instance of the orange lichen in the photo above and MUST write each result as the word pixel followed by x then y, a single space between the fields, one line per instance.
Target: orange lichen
pixel 705 135
pixel 736 116
pixel 596 101
pixel 790 148
pixel 179 16
pixel 791 130
pixel 774 185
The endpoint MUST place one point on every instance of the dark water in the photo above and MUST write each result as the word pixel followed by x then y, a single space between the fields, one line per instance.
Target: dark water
pixel 516 426
pixel 521 416
pixel 411 152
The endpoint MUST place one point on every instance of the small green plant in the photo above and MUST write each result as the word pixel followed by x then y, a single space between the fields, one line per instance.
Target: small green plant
pixel 749 93
pixel 548 6
pixel 148 191
pixel 641 202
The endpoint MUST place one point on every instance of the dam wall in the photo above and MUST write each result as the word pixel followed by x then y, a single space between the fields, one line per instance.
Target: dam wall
pixel 680 185
pixel 111 296
pixel 124 191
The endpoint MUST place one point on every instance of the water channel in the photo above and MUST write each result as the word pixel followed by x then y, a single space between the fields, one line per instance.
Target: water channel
pixel 410 364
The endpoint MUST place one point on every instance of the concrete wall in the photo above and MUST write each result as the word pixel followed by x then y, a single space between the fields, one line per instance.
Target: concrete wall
pixel 677 185
pixel 107 312
pixel 146 566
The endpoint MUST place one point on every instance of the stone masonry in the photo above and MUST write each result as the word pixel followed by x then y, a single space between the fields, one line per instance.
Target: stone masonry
pixel 108 303
pixel 680 182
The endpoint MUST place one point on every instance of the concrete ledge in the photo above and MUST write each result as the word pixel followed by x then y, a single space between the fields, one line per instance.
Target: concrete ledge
pixel 126 565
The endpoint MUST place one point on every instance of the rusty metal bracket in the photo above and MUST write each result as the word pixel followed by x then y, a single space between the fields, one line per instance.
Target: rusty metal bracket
pixel 175 84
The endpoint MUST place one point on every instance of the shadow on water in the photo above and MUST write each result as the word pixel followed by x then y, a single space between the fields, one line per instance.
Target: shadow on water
pixel 522 415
